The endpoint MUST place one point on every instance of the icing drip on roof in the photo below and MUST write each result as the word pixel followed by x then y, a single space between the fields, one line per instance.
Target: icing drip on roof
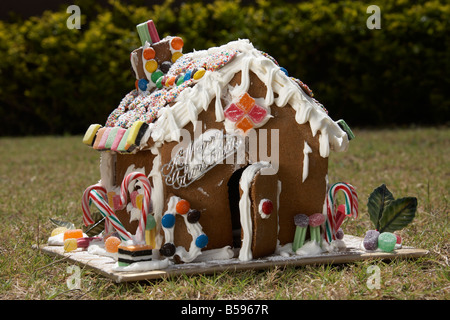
pixel 197 98
pixel 175 107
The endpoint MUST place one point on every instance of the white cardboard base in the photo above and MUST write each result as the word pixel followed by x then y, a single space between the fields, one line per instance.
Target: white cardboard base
pixel 352 253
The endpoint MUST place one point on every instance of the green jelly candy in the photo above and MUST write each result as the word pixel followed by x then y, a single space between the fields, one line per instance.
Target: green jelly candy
pixel 151 223
pixel 387 241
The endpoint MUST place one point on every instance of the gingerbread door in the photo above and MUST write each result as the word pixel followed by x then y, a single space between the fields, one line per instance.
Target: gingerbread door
pixel 258 212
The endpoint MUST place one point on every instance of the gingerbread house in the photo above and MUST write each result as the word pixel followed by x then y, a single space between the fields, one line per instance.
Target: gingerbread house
pixel 213 150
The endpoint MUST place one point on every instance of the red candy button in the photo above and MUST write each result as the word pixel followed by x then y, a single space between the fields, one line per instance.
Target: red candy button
pixel 267 207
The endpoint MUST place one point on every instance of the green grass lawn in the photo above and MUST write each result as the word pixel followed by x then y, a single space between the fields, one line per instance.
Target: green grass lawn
pixel 44 177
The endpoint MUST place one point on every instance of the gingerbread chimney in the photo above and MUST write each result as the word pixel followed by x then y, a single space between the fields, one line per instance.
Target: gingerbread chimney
pixel 154 58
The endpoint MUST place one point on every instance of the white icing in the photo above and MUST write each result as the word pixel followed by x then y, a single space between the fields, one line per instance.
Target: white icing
pixel 194 229
pixel 135 213
pixel 310 248
pixel 200 189
pixel 193 100
pixel 157 193
pixel 306 150
pixel 134 62
pixel 224 253
pixel 245 253
pixel 143 265
pixel 262 214
pixel 107 166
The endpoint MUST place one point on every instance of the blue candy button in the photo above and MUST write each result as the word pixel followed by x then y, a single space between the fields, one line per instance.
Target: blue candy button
pixel 285 71
pixel 142 84
pixel 201 241
pixel 168 220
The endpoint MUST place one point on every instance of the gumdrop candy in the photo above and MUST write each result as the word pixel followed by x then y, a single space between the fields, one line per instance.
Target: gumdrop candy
pixel 340 234
pixel 316 219
pixel 73 233
pixel 387 241
pixel 112 244
pixel 70 244
pixel 370 241
pixel 58 230
pixel 301 220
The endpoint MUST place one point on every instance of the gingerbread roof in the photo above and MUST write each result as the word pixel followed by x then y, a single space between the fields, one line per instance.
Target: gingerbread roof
pixel 195 79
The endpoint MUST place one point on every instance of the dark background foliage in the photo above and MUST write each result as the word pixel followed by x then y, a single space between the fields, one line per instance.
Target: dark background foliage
pixel 56 80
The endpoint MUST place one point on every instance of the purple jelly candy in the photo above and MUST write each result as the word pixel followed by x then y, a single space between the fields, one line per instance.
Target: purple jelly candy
pixel 316 219
pixel 370 241
pixel 301 220
pixel 340 234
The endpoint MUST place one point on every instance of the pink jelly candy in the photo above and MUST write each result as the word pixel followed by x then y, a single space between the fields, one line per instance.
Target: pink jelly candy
pixel 233 113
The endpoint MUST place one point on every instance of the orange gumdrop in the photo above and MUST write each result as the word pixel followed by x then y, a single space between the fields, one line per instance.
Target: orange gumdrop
pixel 183 206
pixel 73 233
pixel 112 244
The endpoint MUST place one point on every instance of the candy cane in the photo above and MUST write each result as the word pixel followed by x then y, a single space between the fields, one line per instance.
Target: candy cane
pixel 125 187
pixel 108 213
pixel 86 201
pixel 334 219
pixel 99 200
pixel 87 218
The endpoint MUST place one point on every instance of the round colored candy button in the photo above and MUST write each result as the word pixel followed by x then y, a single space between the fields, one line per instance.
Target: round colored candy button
pixel 176 56
pixel 142 84
pixel 151 66
pixel 165 66
pixel 170 81
pixel 199 74
pixel 149 53
pixel 267 207
pixel 187 76
pixel 183 206
pixel 201 241
pixel 285 71
pixel 168 249
pixel 159 83
pixel 156 75
pixel 193 216
pixel 177 43
pixel 180 79
pixel 168 220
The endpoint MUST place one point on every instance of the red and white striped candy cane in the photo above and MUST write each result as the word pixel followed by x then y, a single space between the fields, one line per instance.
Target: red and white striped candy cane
pixel 333 222
pixel 125 188
pixel 108 213
pixel 85 201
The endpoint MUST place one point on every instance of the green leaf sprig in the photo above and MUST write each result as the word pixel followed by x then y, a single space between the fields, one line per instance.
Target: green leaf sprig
pixel 389 214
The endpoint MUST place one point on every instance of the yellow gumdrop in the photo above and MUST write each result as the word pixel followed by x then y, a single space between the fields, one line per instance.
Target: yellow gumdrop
pixel 70 244
pixel 58 230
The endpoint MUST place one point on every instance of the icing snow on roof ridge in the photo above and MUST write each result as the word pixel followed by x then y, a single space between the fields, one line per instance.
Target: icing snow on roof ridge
pixel 193 100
